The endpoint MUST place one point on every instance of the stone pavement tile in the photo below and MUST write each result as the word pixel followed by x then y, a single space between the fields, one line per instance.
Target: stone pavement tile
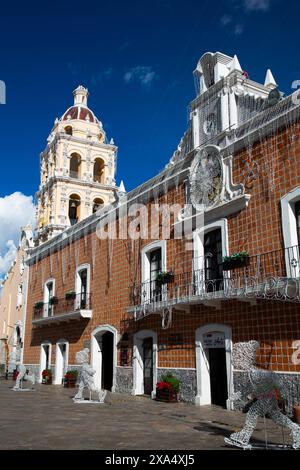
pixel 49 419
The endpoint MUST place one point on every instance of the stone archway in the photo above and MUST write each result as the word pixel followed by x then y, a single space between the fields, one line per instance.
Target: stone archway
pixel 138 361
pixel 204 396
pixel 104 356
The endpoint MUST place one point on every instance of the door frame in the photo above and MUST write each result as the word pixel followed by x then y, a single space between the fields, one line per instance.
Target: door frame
pixel 96 353
pixel 203 396
pixel 43 358
pixel 59 361
pixel 138 364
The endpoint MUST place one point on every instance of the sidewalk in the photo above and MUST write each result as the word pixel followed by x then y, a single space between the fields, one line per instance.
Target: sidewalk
pixel 47 418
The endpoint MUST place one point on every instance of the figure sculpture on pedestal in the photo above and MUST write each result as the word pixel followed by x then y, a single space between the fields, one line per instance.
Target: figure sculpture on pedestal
pixel 86 377
pixel 22 375
pixel 265 386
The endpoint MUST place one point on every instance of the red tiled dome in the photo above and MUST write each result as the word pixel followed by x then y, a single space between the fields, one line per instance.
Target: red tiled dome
pixel 79 112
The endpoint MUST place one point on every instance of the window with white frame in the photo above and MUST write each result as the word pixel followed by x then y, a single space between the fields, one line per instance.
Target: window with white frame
pixel 290 209
pixel 83 287
pixel 48 298
pixel 153 263
pixel 210 245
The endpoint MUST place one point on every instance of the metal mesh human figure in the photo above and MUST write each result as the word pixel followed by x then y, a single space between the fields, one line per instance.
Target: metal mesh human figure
pixel 265 385
pixel 22 375
pixel 86 377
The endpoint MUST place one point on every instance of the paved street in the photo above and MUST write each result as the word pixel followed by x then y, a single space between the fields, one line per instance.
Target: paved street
pixel 47 418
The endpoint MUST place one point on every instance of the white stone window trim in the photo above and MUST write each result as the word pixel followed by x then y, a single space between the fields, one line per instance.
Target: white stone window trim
pixel 137 361
pixel 203 396
pixel 46 298
pixel 198 238
pixel 80 268
pixel 58 359
pixel 96 354
pixel 145 266
pixel 289 230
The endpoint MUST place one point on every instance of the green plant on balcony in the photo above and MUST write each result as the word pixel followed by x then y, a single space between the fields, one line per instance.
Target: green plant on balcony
pixel 53 300
pixel 70 295
pixel 164 277
pixel 38 305
pixel 236 260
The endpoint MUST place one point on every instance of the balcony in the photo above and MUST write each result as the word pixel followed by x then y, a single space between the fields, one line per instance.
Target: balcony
pixel 63 310
pixel 271 276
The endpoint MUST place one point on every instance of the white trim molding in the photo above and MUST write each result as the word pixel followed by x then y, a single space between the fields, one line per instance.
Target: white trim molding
pixel 145 262
pixel 137 361
pixel 59 366
pixel 202 363
pixel 96 353
pixel 198 237
pixel 289 230
pixel 43 358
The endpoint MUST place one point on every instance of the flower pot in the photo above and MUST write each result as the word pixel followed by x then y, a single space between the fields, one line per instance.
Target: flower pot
pixel 235 263
pixel 70 383
pixel 70 296
pixel 166 395
pixel 47 382
pixel 297 414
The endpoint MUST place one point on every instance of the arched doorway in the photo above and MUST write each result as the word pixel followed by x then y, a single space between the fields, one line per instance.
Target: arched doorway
pixel 144 363
pixel 214 365
pixel 61 365
pixel 104 356
pixel 45 357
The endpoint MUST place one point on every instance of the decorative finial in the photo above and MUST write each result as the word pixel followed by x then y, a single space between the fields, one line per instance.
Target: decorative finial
pixel 270 80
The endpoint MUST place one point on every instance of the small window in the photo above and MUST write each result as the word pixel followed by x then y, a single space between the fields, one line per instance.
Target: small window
pixel 297 215
pixel 74 209
pixel 97 204
pixel 75 165
pixel 69 130
pixel 99 171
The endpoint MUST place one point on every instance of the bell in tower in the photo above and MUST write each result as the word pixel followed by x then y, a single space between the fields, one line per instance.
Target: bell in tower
pixel 77 169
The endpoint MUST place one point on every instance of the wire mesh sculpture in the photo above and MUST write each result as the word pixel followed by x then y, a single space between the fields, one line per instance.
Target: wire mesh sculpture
pixel 23 375
pixel 86 378
pixel 265 386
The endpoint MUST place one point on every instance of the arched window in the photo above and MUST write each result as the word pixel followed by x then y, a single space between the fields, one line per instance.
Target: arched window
pixel 69 130
pixel 75 165
pixel 97 204
pixel 74 209
pixel 99 171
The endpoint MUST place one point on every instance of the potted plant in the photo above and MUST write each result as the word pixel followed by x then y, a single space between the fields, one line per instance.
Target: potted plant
pixel 53 300
pixel 38 305
pixel 70 378
pixel 164 277
pixel 70 295
pixel 167 389
pixel 235 261
pixel 47 377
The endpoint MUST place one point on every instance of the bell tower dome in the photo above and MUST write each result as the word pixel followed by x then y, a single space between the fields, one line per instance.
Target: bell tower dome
pixel 77 169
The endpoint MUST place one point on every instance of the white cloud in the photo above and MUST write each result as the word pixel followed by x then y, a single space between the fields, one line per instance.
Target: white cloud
pixel 257 5
pixel 226 20
pixel 100 76
pixel 16 210
pixel 9 257
pixel 238 29
pixel 142 74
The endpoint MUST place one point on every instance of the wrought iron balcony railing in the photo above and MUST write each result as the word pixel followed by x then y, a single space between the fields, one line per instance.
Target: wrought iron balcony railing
pixel 271 275
pixel 63 307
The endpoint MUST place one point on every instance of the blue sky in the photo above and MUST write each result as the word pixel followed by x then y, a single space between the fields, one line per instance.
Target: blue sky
pixel 136 58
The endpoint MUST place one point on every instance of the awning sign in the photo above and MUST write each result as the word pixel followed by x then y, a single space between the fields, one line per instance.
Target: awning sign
pixel 215 339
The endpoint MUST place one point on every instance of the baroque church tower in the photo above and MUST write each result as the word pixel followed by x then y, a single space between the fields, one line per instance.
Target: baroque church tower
pixel 77 170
